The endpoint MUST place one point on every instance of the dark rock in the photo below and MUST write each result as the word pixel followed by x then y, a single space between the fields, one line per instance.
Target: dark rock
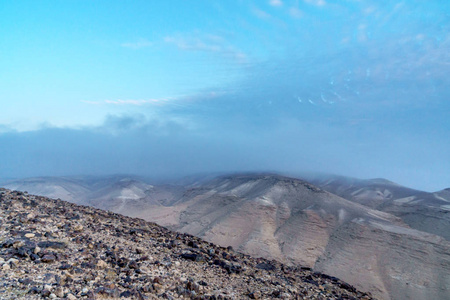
pixel 26 281
pixel 64 266
pixel 265 266
pixel 157 280
pixel 192 286
pixel 45 293
pixel 34 290
pixel 126 294
pixel 133 265
pixel 193 256
pixel 48 258
pixel 52 245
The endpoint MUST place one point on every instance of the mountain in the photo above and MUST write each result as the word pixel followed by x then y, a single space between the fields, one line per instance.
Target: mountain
pixel 71 189
pixel 298 223
pixel 52 249
pixel 429 212
pixel 120 193
pixel 295 222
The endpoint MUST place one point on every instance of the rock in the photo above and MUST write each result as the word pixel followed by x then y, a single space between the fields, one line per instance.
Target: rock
pixel 102 264
pixel 29 235
pixel 254 295
pixel 48 258
pixel 133 265
pixel 110 275
pixel 34 290
pixel 59 292
pixel 78 227
pixel 48 287
pixel 71 297
pixel 45 293
pixel 52 245
pixel 192 286
pixel 265 266
pixel 126 294
pixel 64 266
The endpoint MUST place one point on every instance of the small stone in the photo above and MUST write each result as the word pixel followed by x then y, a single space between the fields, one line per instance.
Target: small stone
pixel 71 297
pixel 64 266
pixel 254 295
pixel 59 292
pixel 192 286
pixel 48 258
pixel 52 245
pixel 102 264
pixel 126 294
pixel 52 296
pixel 48 287
pixel 110 274
pixel 29 235
pixel 78 227
pixel 18 244
pixel 6 267
pixel 133 265
pixel 37 250
pixel 12 261
pixel 157 280
pixel 158 287
pixel 45 293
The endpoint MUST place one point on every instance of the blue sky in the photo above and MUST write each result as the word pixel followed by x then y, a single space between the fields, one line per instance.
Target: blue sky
pixel 356 87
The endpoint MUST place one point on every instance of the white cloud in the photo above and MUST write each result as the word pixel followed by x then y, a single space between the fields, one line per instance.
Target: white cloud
pixel 316 2
pixel 276 2
pixel 207 43
pixel 137 102
pixel 176 101
pixel 194 44
pixel 295 12
pixel 261 14
pixel 140 43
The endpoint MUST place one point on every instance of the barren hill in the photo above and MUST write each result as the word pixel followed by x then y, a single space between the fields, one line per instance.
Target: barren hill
pixel 429 212
pixel 59 250
pixel 297 223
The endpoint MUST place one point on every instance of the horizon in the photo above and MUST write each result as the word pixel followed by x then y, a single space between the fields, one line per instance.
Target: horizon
pixel 156 179
pixel 354 88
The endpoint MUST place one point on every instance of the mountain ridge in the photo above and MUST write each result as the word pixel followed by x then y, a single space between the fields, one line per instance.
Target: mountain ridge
pixel 296 222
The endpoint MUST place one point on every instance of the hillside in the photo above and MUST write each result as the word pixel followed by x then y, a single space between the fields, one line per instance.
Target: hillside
pixel 297 223
pixel 429 212
pixel 59 250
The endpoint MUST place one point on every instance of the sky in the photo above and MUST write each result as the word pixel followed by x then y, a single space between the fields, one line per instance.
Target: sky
pixel 358 88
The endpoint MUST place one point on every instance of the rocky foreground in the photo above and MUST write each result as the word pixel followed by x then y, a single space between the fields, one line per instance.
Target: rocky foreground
pixel 58 250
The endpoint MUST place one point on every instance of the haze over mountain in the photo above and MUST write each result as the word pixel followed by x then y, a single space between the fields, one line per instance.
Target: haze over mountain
pixel 292 221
